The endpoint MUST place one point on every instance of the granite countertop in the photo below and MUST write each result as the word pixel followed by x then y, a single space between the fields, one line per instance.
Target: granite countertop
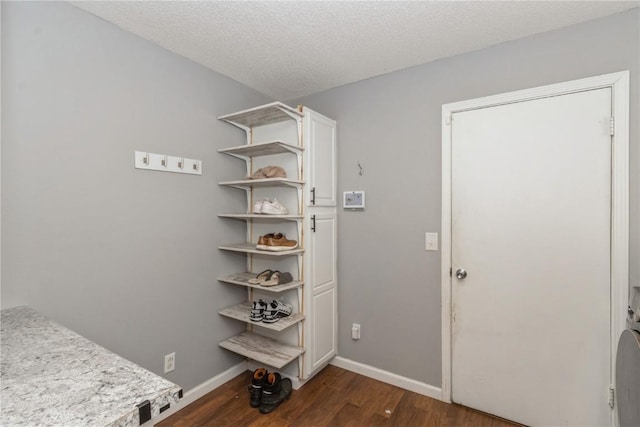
pixel 51 376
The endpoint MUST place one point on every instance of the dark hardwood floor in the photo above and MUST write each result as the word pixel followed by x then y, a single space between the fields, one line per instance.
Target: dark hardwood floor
pixel 334 397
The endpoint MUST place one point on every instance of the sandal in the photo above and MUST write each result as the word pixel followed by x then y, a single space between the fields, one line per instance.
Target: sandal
pixel 278 278
pixel 261 277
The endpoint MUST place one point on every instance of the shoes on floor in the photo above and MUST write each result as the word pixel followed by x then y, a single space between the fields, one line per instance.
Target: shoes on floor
pixel 258 379
pixel 269 172
pixel 274 391
pixel 257 311
pixel 276 310
pixel 269 207
pixel 276 242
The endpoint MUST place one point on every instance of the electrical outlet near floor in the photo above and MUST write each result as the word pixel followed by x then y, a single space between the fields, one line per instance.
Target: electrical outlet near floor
pixel 169 362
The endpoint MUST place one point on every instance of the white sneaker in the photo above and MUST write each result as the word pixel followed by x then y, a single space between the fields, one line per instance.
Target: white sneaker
pixel 272 207
pixel 257 206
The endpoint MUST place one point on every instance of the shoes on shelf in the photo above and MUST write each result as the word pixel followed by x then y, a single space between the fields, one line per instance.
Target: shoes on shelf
pixel 261 277
pixel 268 278
pixel 258 380
pixel 275 391
pixel 277 278
pixel 273 207
pixel 276 310
pixel 269 172
pixel 263 240
pixel 257 311
pixel 269 207
pixel 276 242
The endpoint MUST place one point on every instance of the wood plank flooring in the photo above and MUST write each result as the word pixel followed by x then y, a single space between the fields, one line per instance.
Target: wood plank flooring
pixel 335 397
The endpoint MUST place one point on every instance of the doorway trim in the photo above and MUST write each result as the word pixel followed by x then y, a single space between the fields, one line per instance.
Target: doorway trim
pixel 619 84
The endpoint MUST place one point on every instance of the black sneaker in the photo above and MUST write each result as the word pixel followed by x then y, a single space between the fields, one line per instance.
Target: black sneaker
pixel 275 391
pixel 257 311
pixel 258 380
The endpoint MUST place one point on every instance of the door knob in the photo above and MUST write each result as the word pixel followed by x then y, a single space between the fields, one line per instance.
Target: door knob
pixel 461 273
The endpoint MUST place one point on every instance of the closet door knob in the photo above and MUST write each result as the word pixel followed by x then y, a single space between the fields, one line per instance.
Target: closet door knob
pixel 461 273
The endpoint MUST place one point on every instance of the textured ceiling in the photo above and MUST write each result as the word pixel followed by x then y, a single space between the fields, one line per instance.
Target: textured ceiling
pixel 287 49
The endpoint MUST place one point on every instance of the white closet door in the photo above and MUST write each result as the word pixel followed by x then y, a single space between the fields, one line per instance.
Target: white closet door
pixel 531 196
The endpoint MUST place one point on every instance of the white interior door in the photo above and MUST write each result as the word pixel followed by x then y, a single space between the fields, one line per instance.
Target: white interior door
pixel 530 209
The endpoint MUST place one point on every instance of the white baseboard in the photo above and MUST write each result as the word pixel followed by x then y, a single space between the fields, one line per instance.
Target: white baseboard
pixel 200 390
pixel 388 377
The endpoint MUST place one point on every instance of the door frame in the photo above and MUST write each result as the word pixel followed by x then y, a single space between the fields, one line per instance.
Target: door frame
pixel 619 84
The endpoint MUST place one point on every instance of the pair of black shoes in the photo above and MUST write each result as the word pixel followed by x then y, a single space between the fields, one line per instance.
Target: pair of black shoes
pixel 268 390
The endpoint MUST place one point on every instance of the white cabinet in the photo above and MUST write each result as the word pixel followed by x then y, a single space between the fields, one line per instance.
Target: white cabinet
pixel 321 292
pixel 320 162
pixel 303 143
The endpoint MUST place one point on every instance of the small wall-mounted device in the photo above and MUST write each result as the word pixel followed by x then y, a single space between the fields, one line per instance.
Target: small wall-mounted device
pixel 353 200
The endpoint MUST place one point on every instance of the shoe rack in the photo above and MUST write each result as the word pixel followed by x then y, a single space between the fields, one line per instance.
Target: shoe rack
pixel 274 137
pixel 302 142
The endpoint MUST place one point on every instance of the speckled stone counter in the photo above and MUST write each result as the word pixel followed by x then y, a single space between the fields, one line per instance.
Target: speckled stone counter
pixel 51 376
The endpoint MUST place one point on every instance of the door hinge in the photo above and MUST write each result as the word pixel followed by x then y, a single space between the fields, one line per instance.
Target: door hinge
pixel 448 119
pixel 612 396
pixel 450 271
pixel 612 125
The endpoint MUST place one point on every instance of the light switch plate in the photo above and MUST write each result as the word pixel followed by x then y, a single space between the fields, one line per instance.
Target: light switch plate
pixel 430 241
pixel 353 200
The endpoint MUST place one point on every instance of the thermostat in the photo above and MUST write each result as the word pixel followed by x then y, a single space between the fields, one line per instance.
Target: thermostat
pixel 353 200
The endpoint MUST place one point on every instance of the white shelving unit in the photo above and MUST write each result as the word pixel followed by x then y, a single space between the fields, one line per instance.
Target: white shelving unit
pixel 303 143
pixel 251 344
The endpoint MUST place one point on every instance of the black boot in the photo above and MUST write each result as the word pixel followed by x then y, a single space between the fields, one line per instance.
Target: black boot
pixel 275 391
pixel 258 379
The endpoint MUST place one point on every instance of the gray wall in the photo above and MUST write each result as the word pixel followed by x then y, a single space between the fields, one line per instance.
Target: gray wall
pixel 128 258
pixel 391 125
pixel 125 257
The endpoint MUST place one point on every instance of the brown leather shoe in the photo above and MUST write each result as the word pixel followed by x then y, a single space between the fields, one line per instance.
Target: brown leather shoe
pixel 263 241
pixel 279 242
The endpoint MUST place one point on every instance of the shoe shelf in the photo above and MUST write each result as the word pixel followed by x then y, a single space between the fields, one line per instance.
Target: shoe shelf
pixel 242 279
pixel 262 349
pixel 245 184
pixel 249 217
pixel 250 248
pixel 263 115
pixel 263 142
pixel 242 312
pixel 248 151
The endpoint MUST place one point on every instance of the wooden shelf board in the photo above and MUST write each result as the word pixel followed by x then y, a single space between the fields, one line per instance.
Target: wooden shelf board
pixel 250 248
pixel 241 312
pixel 262 217
pixel 262 115
pixel 242 279
pixel 262 349
pixel 266 182
pixel 261 149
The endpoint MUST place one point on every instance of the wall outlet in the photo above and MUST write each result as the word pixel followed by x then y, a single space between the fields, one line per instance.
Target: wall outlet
pixel 355 331
pixel 169 362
